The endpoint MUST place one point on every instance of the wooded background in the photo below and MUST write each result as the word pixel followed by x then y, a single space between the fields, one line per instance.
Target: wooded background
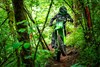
pixel 25 33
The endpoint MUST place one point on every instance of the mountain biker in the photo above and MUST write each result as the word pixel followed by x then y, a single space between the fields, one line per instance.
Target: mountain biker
pixel 61 16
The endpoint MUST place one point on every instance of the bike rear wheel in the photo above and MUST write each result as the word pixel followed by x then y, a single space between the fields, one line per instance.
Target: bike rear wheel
pixel 61 46
pixel 63 50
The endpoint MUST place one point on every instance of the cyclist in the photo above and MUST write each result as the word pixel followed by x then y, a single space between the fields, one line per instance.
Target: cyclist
pixel 61 16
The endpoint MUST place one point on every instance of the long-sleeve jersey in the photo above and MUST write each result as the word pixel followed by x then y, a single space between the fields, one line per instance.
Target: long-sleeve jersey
pixel 61 18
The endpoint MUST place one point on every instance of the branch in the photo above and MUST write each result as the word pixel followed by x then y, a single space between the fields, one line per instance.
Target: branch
pixel 6 59
pixel 3 8
pixel 46 21
pixel 47 15
pixel 4 21
pixel 35 54
pixel 69 6
pixel 40 35
pixel 39 30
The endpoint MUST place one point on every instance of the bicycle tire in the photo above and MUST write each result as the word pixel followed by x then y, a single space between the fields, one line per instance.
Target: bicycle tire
pixel 63 50
pixel 62 47
pixel 58 55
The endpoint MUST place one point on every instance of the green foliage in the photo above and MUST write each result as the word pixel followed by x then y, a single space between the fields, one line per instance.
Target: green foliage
pixel 77 65
pixel 42 57
pixel 16 45
pixel 27 57
pixel 22 30
pixel 89 56
pixel 76 38
pixel 26 45
pixel 70 27
pixel 24 22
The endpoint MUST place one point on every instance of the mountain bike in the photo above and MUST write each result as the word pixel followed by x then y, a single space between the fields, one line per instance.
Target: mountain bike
pixel 59 47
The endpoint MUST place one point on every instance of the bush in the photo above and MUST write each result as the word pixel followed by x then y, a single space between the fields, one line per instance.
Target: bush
pixel 76 38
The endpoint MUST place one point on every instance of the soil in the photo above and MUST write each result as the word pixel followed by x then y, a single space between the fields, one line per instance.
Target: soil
pixel 65 61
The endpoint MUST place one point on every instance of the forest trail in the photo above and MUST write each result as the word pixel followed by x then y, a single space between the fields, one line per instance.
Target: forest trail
pixel 65 61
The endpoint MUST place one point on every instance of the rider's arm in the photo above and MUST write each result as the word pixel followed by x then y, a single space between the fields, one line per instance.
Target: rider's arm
pixel 69 17
pixel 53 20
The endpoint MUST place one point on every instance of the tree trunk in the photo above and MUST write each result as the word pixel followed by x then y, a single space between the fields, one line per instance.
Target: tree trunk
pixel 20 15
pixel 77 15
pixel 89 25
pixel 10 14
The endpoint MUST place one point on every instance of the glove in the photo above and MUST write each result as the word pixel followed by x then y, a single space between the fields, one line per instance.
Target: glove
pixel 50 25
pixel 71 20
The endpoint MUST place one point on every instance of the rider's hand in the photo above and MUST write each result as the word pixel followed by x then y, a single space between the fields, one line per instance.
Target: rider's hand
pixel 71 20
pixel 50 25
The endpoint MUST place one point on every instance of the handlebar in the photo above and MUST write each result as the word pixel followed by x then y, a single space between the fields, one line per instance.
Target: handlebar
pixel 69 20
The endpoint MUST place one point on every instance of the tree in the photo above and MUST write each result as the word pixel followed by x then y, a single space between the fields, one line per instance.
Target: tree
pixel 22 31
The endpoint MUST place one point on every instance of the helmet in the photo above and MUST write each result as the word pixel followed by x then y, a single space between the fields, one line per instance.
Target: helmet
pixel 63 10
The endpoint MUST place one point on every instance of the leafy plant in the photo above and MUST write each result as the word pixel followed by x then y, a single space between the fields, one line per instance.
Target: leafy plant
pixel 42 57
pixel 76 38
pixel 77 65
pixel 17 44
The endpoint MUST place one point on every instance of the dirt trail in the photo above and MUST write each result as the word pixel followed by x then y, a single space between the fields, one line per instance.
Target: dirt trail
pixel 65 61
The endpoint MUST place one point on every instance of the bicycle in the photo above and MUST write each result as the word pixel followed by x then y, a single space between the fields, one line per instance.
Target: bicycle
pixel 59 31
pixel 59 47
